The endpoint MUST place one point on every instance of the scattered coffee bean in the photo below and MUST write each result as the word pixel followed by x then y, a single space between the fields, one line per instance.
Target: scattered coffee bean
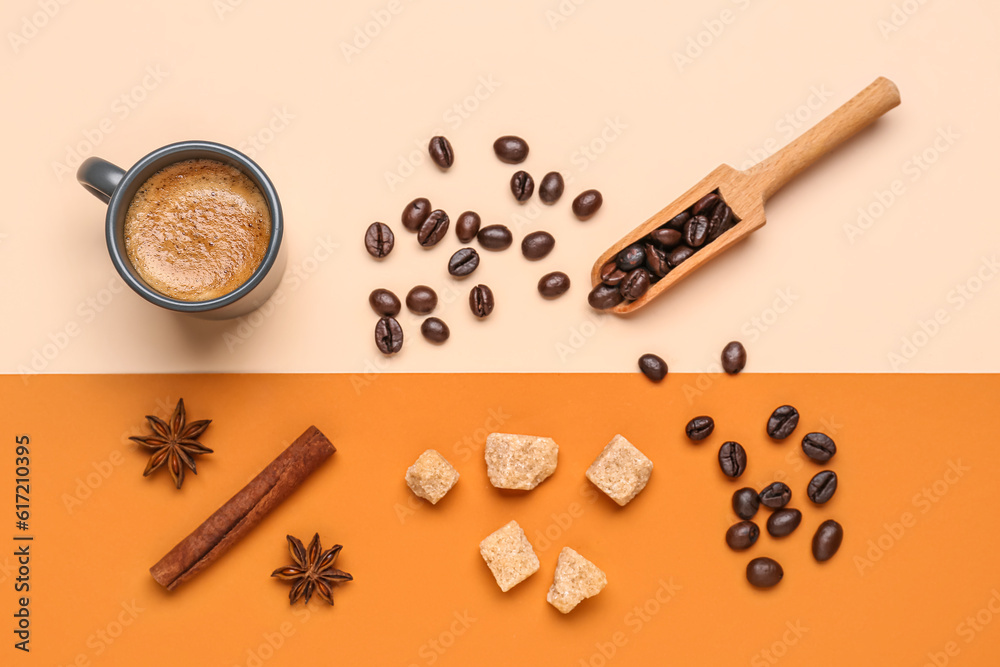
pixel 433 228
pixel 742 535
pixel 551 187
pixel 734 357
pixel 636 284
pixel 511 149
pixel 421 300
pixel 706 203
pixel 782 422
pixel 745 502
pixel 467 226
pixel 481 301
pixel 611 275
pixel 827 540
pixel 775 495
pixel 441 152
pixel 587 203
pixel 522 186
pixel 783 522
pixel 656 261
pixel 631 257
pixel 678 221
pixel 388 336
pixel 819 447
pixel 764 572
pixel 463 262
pixel 699 428
pixel 384 302
pixel 696 231
pixel 604 296
pixel 435 330
pixel 553 285
pixel 653 367
pixel 665 238
pixel 495 237
pixel 679 255
pixel 822 486
pixel 537 245
pixel 415 213
pixel 379 240
pixel 732 459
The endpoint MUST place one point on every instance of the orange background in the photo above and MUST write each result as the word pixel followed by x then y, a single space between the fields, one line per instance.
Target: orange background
pixel 910 571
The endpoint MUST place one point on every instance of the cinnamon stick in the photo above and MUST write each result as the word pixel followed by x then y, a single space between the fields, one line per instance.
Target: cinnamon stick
pixel 242 512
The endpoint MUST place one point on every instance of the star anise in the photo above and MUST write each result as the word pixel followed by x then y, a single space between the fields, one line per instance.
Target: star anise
pixel 313 571
pixel 174 443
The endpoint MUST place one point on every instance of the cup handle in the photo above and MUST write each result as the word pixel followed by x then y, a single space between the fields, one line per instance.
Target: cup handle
pixel 99 177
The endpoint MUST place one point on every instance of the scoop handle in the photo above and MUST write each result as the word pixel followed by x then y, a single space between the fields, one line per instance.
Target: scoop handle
pixel 847 120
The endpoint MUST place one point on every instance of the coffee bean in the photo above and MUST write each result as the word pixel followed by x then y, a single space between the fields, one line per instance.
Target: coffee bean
pixel 764 572
pixel 421 299
pixel 827 540
pixel 433 229
pixel 481 301
pixel 745 502
pixel 441 152
pixel 734 357
pixel 551 187
pixel 819 447
pixel 696 231
pixel 415 213
pixel 720 221
pixel 656 261
pixel 553 285
pixel 522 186
pixel 537 245
pixel 742 535
pixel 379 240
pixel 732 459
pixel 435 330
pixel 467 226
pixel 603 297
pixel 463 262
pixel 678 255
pixel 511 149
pixel 388 336
pixel 783 522
pixel 699 428
pixel 636 284
pixel 678 221
pixel 705 204
pixel 775 495
pixel 611 275
pixel 665 238
pixel 587 203
pixel 384 302
pixel 782 422
pixel 495 237
pixel 822 486
pixel 653 367
pixel 631 257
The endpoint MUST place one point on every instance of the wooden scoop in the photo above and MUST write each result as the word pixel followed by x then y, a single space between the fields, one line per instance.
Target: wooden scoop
pixel 746 191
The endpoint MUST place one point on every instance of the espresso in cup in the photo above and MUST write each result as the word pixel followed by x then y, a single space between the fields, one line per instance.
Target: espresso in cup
pixel 197 229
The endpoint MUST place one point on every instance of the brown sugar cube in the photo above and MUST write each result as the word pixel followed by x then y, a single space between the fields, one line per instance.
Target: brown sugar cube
pixel 431 476
pixel 520 461
pixel 509 555
pixel 576 579
pixel 620 470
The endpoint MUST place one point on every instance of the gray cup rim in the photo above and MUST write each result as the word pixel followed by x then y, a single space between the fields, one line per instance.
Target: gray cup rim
pixel 117 208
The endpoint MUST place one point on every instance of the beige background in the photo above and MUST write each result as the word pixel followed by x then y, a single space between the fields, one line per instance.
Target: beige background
pixel 597 89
